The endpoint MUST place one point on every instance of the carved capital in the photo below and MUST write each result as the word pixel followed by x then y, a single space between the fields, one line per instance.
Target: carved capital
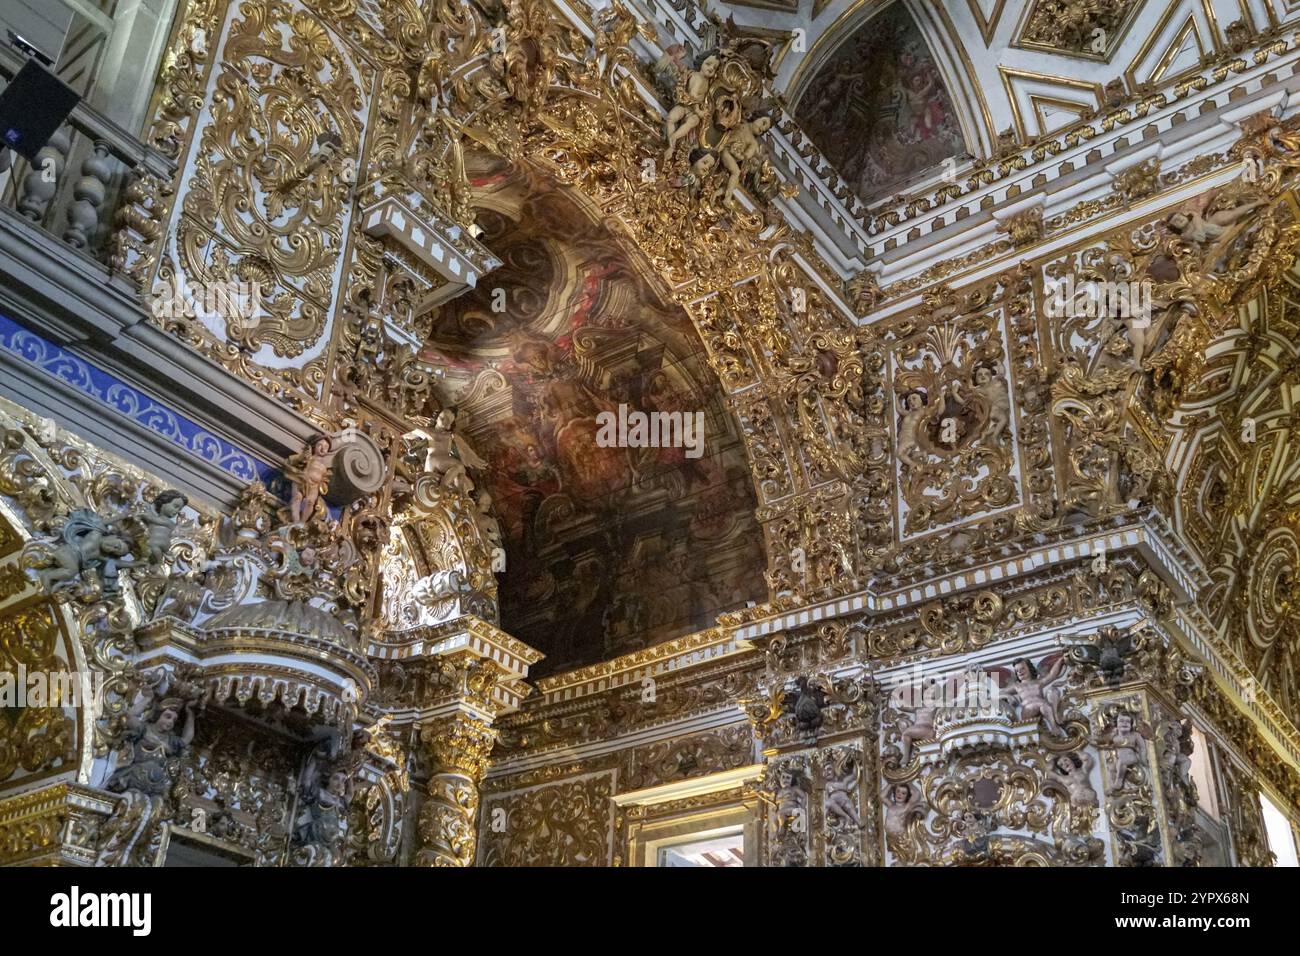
pixel 459 746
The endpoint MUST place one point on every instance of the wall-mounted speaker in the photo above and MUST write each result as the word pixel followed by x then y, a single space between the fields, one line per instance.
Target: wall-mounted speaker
pixel 32 107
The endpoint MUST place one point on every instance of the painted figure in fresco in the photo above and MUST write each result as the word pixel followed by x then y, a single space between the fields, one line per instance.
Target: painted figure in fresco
pixel 574 516
pixel 927 112
pixel 1035 695
pixel 692 107
pixel 877 107
pixel 563 415
pixel 309 473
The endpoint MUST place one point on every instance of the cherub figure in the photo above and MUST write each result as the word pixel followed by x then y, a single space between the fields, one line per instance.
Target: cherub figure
pixel 839 796
pixel 902 805
pixel 791 802
pixel 692 104
pixel 671 67
pixel 88 544
pixel 992 389
pixel 702 164
pixel 1217 233
pixel 1176 747
pixel 741 150
pixel 159 520
pixel 1035 695
pixel 448 455
pixel 909 429
pixel 1072 773
pixel 309 472
pixel 489 525
pixel 921 726
pixel 1126 740
pixel 975 829
pixel 297 566
pixel 1191 226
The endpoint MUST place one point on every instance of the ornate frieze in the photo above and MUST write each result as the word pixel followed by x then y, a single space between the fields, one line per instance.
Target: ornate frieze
pixel 133 405
pixel 58 824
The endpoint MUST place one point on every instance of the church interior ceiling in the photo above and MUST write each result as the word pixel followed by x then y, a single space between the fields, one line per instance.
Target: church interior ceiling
pixel 574 432
pixel 616 547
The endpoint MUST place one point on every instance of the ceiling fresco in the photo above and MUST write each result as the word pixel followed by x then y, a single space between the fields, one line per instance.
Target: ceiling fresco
pixel 877 107
pixel 608 549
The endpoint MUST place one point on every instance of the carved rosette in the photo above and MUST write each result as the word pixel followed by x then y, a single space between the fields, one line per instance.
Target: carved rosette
pixel 458 751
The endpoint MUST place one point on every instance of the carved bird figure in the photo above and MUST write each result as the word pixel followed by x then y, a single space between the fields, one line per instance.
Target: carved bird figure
pixel 806 702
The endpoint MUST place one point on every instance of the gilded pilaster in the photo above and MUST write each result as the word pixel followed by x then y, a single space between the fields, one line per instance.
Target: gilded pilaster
pixel 818 732
pixel 463 692
pixel 458 747
pixel 1145 745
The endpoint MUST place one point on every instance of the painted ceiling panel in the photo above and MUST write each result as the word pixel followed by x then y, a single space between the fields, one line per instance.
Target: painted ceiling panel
pixel 877 107
pixel 608 549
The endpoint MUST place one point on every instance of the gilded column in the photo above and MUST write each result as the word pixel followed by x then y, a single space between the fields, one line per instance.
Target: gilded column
pixel 469 674
pixel 458 748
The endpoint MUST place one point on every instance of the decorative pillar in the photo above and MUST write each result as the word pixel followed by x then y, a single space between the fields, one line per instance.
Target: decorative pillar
pixel 817 735
pixel 1135 699
pixel 458 678
pixel 458 748
pixel 88 195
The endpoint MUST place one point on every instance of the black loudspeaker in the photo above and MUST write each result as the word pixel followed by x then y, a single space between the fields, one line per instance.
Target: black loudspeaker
pixel 32 107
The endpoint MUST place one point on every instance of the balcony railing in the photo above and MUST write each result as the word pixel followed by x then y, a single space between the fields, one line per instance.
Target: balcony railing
pixel 94 186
